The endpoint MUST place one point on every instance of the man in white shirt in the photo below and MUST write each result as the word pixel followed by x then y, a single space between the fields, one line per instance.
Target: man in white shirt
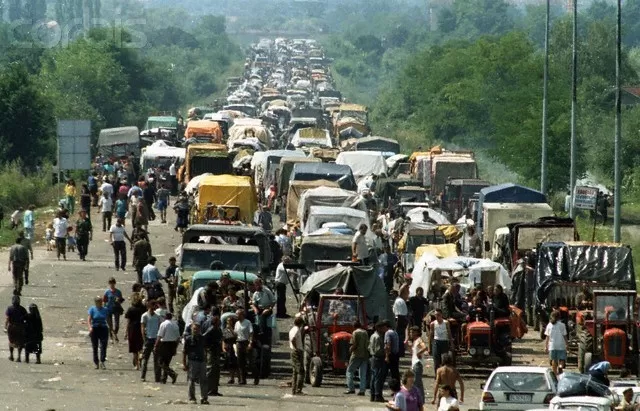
pixel 107 187
pixel 106 208
pixel 359 248
pixel 117 235
pixel 282 279
pixel 244 333
pixel 401 313
pixel 173 173
pixel 166 346
pixel 297 362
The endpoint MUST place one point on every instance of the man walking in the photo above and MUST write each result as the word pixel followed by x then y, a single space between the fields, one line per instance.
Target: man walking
pixel 193 358
pixel 378 364
pixel 166 346
pixel 141 254
pixel 151 279
pixel 439 338
pixel 150 327
pixel 392 350
pixel 401 312
pixel 84 234
pixel 29 224
pixel 297 360
pixel 359 350
pixel 448 375
pixel 117 235
pixel 18 259
pixel 106 208
pixel 359 248
pixel 281 279
pixel 244 334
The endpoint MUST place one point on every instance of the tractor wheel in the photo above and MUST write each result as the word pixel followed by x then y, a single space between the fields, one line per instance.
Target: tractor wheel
pixel 308 354
pixel 316 372
pixel 588 361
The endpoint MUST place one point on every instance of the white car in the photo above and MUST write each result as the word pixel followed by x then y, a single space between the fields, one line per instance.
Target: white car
pixel 582 403
pixel 518 389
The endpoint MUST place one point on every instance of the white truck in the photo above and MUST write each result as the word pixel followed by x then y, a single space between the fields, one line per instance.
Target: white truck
pixel 498 215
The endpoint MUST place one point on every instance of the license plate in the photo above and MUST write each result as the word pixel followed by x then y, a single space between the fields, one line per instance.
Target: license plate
pixel 520 397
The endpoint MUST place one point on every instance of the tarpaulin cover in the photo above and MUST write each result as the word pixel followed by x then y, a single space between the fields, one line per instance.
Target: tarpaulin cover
pixel 437 250
pixel 161 149
pixel 386 188
pixel 198 128
pixel 606 264
pixel 468 270
pixel 378 144
pixel 311 136
pixel 228 190
pixel 286 167
pixel 328 196
pixel 324 171
pixel 395 159
pixel 416 215
pixel 242 131
pixel 506 193
pixel 331 246
pixel 325 154
pixel 353 280
pixel 573 385
pixel 363 163
pixel 319 215
pixel 296 189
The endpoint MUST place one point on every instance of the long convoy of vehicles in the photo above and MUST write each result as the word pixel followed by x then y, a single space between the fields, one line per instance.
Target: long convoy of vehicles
pixel 285 140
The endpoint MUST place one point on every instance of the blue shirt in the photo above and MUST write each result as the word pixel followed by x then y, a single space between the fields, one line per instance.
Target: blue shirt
pixel 150 274
pixel 98 316
pixel 391 338
pixel 152 325
pixel 121 207
pixel 135 190
pixel 27 219
pixel 111 297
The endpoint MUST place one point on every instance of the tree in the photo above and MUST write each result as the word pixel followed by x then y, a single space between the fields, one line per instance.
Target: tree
pixel 27 122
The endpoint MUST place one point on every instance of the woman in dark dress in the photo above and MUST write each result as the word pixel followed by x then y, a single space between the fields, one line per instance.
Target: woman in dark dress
pixel 16 317
pixel 134 330
pixel 85 199
pixel 34 334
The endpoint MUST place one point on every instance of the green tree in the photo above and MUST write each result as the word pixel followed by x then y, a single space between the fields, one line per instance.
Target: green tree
pixel 27 122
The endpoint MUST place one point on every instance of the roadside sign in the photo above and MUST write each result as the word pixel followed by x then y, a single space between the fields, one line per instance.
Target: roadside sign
pixel 585 198
pixel 74 144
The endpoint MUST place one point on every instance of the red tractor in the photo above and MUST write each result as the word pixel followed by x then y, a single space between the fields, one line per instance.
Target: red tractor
pixel 327 339
pixel 488 340
pixel 611 331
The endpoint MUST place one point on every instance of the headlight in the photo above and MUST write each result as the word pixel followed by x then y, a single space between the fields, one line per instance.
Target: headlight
pixel 472 351
pixel 486 351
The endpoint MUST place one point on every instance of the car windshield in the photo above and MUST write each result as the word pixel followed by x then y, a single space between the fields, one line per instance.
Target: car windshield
pixel 339 312
pixel 518 382
pixel 195 260
pixel 612 307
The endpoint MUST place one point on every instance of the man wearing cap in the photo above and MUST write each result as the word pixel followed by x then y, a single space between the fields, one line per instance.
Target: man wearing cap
pixel 281 279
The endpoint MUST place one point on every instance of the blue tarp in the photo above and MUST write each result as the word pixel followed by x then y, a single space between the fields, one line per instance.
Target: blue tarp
pixel 339 173
pixel 507 193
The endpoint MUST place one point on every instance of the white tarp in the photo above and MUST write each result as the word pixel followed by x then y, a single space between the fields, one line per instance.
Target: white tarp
pixel 194 183
pixel 363 163
pixel 397 158
pixel 161 149
pixel 416 215
pixel 468 270
pixel 320 215
pixel 331 197
pixel 190 308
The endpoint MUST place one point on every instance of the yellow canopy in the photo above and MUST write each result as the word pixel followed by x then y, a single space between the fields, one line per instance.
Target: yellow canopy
pixel 228 190
pixel 438 250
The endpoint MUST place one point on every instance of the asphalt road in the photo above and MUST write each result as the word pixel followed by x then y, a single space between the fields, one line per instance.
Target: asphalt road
pixel 66 379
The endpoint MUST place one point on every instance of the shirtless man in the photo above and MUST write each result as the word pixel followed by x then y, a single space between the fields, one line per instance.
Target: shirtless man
pixel 448 375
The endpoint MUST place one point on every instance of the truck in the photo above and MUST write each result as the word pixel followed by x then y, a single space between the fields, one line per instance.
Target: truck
pixel 119 142
pixel 499 215
pixel 449 165
pixel 205 158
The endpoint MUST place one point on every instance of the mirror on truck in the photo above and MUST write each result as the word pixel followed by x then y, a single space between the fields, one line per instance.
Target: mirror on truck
pixel 487 246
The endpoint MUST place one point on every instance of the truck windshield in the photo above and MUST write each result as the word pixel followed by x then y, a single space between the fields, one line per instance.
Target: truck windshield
pixel 195 260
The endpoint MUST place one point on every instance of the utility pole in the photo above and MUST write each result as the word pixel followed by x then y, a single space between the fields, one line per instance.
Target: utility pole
pixel 617 174
pixel 543 162
pixel 574 104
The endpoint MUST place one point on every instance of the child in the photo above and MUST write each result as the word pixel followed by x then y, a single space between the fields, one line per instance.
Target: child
pixel 71 241
pixel 34 335
pixel 48 237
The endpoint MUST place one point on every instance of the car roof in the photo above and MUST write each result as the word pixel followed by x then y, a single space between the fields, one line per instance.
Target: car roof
pixel 521 369
pixel 222 247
